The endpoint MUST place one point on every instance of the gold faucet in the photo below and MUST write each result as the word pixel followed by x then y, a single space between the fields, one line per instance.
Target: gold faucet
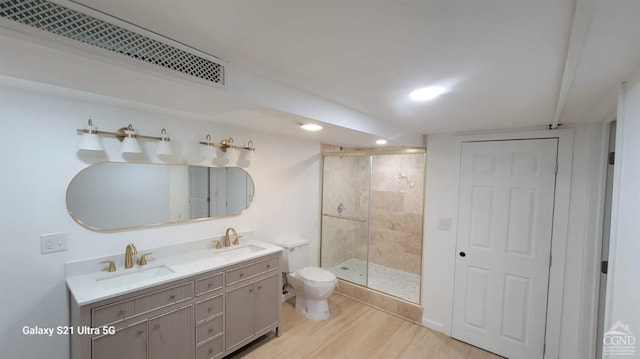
pixel 112 266
pixel 128 255
pixel 227 241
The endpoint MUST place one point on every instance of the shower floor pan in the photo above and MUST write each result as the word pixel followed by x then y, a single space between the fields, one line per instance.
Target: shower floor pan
pixel 387 280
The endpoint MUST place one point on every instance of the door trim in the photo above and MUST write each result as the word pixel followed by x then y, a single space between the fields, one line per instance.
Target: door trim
pixel 559 236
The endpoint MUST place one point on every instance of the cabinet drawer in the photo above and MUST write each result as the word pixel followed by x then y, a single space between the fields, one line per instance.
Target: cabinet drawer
pixel 268 265
pixel 209 308
pixel 209 349
pixel 112 313
pixel 209 284
pixel 242 273
pixel 162 298
pixel 209 329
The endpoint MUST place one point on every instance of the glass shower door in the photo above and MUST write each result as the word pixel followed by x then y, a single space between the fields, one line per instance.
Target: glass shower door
pixel 372 219
pixel 345 213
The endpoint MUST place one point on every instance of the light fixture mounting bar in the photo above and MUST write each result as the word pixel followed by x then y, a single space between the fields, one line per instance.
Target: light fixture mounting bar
pixel 224 144
pixel 121 134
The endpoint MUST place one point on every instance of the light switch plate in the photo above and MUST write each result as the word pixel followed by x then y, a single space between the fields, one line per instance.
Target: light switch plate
pixel 53 242
pixel 444 224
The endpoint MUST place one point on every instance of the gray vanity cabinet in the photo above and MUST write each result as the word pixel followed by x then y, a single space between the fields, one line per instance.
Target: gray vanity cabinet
pixel 240 313
pixel 206 316
pixel 267 303
pixel 253 301
pixel 153 324
pixel 126 343
pixel 170 335
pixel 252 310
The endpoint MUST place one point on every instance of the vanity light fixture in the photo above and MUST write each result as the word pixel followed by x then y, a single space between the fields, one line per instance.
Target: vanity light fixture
pixel 249 155
pixel 207 148
pixel 228 152
pixel 90 140
pixel 129 142
pixel 127 135
pixel 164 146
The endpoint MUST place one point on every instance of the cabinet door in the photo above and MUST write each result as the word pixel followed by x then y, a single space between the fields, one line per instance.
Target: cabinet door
pixel 240 307
pixel 126 343
pixel 267 303
pixel 170 335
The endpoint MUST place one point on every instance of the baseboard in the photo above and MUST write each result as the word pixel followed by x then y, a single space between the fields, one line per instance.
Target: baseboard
pixel 438 327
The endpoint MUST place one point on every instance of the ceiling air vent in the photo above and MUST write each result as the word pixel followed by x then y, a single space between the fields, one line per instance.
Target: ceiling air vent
pixel 69 23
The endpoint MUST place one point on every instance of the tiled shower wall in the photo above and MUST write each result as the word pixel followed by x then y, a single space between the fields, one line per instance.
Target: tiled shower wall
pixel 397 187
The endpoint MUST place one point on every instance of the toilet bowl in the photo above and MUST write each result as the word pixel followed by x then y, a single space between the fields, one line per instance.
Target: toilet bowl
pixel 312 286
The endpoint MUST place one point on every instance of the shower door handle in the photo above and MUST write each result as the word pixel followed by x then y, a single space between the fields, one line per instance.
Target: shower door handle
pixel 462 254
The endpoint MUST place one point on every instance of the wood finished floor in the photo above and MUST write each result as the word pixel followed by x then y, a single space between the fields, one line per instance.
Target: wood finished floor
pixel 354 331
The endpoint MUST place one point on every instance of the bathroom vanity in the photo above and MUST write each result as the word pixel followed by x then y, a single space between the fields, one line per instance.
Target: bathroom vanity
pixel 200 304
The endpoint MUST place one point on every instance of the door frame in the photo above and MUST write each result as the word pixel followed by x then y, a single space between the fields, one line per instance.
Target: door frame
pixel 559 236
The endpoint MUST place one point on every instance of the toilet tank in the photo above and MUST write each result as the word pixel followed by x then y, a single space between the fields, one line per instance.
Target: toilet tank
pixel 294 255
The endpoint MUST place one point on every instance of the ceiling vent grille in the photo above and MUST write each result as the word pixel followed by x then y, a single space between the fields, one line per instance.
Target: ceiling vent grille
pixel 69 23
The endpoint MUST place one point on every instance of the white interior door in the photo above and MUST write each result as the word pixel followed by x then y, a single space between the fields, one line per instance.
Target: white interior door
pixel 504 245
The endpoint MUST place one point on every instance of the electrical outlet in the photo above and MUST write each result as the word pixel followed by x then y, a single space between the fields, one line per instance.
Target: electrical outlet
pixel 54 242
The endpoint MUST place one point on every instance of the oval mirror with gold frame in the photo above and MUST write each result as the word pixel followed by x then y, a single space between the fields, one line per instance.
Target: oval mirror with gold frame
pixel 116 196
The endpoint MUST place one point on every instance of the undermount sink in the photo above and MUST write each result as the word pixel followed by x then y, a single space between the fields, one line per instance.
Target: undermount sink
pixel 242 250
pixel 133 277
pixel 232 252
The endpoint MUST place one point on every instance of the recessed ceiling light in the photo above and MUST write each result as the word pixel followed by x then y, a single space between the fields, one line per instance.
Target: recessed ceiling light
pixel 381 142
pixel 311 127
pixel 427 93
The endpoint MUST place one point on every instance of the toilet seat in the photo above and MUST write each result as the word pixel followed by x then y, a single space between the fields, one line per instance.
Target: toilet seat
pixel 315 275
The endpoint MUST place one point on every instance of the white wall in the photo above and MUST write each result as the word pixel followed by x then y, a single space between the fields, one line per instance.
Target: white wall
pixel 623 285
pixel 38 158
pixel 441 201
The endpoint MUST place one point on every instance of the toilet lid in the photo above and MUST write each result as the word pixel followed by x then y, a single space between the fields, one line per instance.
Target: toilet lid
pixel 317 275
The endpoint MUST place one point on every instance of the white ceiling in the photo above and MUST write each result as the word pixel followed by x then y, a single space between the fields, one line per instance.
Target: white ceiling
pixel 507 63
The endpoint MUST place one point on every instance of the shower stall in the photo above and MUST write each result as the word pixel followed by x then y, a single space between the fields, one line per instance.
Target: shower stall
pixel 372 215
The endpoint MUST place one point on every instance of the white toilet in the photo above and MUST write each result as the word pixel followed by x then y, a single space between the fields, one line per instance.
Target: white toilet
pixel 312 285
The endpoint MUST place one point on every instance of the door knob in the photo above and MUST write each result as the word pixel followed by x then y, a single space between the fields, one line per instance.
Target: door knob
pixel 462 254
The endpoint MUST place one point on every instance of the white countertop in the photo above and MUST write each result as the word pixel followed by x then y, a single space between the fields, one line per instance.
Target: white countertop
pixel 87 287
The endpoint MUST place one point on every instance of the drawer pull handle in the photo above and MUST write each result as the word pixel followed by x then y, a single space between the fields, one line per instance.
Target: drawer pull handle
pixel 156 327
pixel 210 285
pixel 250 290
pixel 259 287
pixel 268 266
pixel 210 309
pixel 121 312
pixel 210 330
pixel 210 350
pixel 241 275
pixel 172 297
pixel 140 331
